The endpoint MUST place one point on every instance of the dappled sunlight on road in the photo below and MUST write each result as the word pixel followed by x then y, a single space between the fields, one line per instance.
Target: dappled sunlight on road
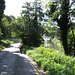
pixel 13 48
pixel 16 45
pixel 12 62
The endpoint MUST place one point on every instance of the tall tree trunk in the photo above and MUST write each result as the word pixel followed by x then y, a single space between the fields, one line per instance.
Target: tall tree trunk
pixel 64 25
pixel 64 42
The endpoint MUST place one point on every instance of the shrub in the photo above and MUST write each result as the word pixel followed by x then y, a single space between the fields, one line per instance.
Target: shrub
pixel 40 60
pixel 5 42
pixel 53 61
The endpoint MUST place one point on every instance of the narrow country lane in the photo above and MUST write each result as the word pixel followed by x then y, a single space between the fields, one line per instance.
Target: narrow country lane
pixel 12 62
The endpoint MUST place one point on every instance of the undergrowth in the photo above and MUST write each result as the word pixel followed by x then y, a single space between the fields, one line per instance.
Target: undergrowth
pixel 52 61
pixel 5 42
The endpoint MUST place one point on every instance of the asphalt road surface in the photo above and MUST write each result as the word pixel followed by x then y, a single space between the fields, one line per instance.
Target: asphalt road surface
pixel 12 62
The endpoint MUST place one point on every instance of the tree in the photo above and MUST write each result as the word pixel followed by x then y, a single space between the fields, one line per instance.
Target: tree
pixel 6 26
pixel 8 18
pixel 16 27
pixel 59 11
pixel 2 7
pixel 27 27
pixel 50 28
pixel 31 16
pixel 12 18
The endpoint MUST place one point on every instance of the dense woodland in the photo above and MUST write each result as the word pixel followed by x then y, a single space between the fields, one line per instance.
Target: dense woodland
pixel 56 22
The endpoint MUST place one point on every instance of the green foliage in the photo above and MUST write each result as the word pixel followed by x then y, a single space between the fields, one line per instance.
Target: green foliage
pixel 16 28
pixel 12 18
pixel 0 33
pixel 60 11
pixel 50 28
pixel 27 27
pixel 11 39
pixel 73 12
pixel 8 18
pixel 71 39
pixel 2 7
pixel 5 42
pixel 5 27
pixel 52 61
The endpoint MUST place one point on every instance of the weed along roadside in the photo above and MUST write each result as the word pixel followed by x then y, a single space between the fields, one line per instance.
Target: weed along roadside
pixel 52 62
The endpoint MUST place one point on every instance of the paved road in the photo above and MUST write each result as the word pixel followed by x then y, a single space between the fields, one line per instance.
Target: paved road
pixel 12 62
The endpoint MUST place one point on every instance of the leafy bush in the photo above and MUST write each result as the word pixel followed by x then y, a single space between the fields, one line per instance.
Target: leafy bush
pixel 53 61
pixel 5 42
pixel 39 61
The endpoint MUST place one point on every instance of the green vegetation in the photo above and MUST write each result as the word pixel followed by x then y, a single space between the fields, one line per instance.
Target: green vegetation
pixel 61 12
pixel 52 61
pixel 7 42
pixel 32 23
pixel 28 27
pixel 2 7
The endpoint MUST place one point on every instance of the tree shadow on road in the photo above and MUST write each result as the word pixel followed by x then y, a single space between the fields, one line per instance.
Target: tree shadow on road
pixel 14 63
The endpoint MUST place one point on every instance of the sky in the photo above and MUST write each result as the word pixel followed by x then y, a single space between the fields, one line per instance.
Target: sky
pixel 14 7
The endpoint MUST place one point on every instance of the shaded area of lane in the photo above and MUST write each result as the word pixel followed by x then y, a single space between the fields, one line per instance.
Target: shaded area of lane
pixel 14 63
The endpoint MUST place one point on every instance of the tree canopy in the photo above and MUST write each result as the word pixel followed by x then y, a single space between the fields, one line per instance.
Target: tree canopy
pixel 28 26
pixel 60 11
